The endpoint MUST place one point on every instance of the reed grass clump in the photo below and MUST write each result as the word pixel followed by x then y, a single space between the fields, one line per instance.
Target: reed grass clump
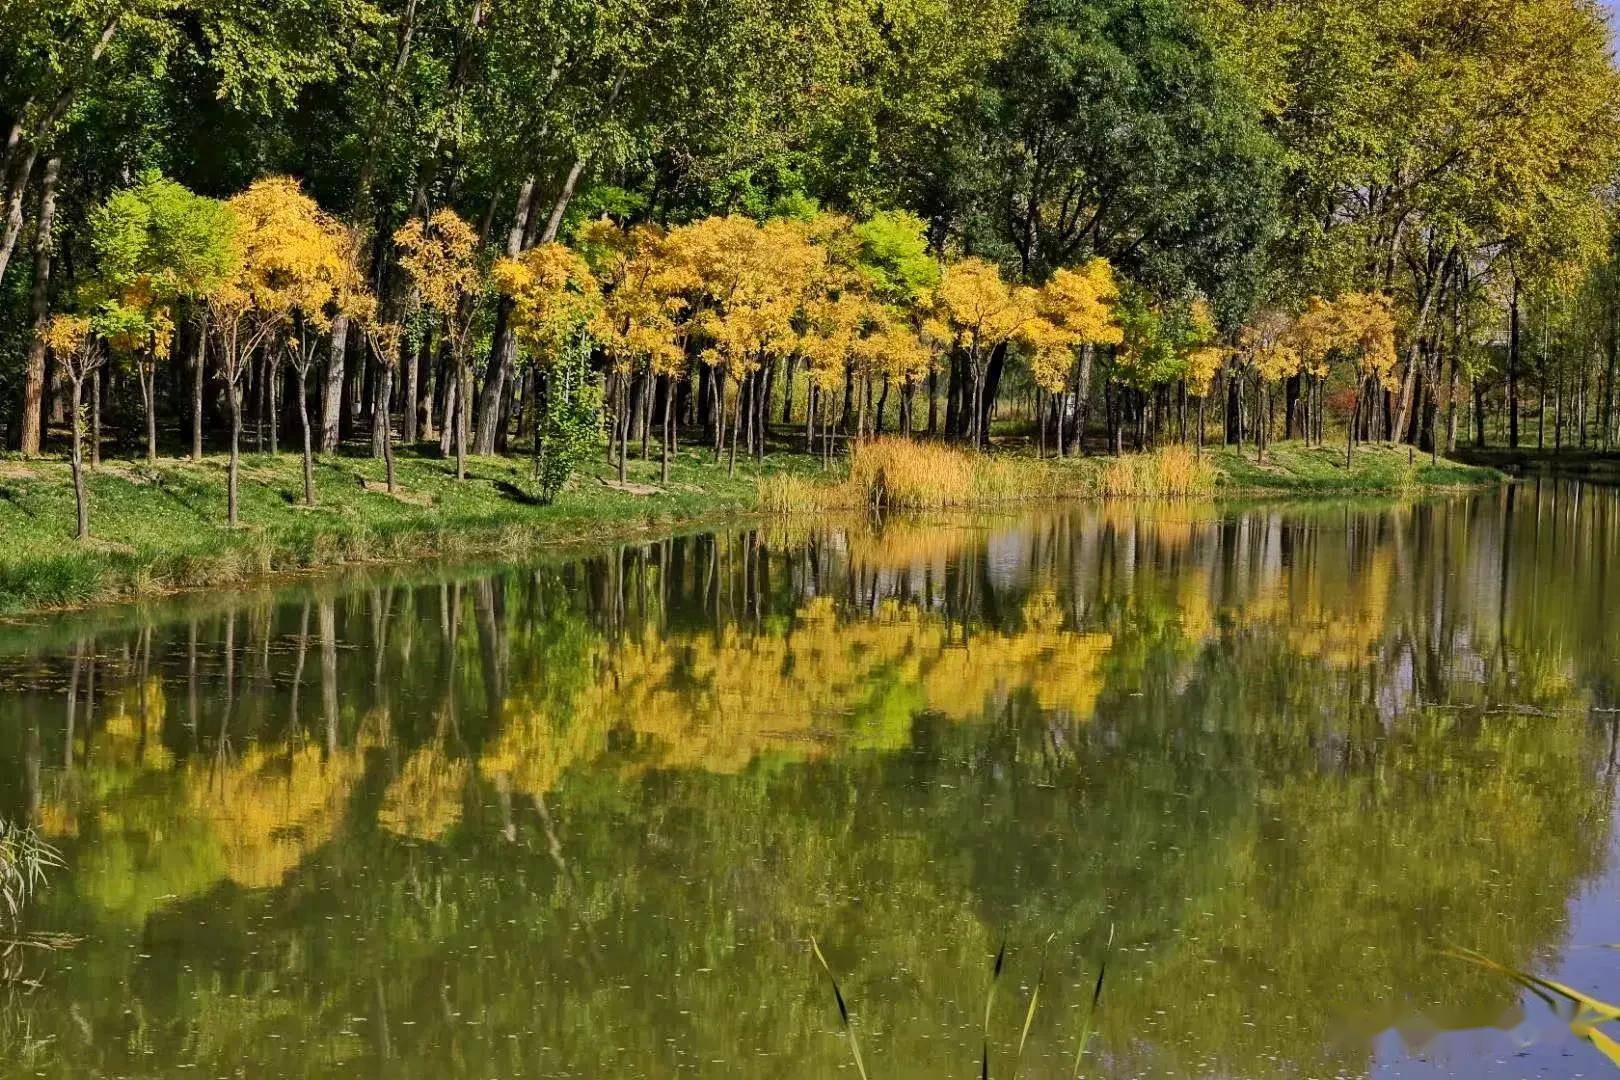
pixel 915 475
pixel 789 493
pixel 1171 472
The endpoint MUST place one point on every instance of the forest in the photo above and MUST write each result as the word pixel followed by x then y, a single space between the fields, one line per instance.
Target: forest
pixel 557 226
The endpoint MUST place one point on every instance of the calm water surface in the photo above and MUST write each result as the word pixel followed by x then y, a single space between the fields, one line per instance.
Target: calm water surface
pixel 581 818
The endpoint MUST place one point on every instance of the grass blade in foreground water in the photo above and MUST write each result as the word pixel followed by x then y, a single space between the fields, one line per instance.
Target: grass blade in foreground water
pixel 1091 1011
pixel 989 1003
pixel 1589 1011
pixel 843 1011
pixel 1034 1000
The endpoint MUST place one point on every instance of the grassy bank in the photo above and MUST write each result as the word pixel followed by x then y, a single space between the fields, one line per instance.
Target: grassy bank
pixel 162 529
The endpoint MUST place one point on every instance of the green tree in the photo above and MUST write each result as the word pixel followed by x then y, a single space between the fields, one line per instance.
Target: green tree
pixel 157 246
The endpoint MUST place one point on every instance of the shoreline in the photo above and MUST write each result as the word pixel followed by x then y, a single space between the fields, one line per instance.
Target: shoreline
pixel 155 534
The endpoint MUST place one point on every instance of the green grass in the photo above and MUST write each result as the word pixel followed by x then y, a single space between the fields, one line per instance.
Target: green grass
pixel 1378 468
pixel 163 529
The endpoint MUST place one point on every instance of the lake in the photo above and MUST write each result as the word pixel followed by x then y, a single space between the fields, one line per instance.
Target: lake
pixel 582 816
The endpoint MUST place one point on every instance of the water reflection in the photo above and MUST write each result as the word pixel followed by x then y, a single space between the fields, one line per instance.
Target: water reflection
pixel 579 818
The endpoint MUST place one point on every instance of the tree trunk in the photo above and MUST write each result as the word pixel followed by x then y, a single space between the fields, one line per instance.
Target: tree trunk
pixel 95 419
pixel 30 422
pixel 336 372
pixel 787 394
pixel 669 418
pixel 309 453
pixel 449 384
pixel 149 392
pixel 17 181
pixel 413 365
pixel 736 426
pixel 1234 409
pixel 1608 379
pixel 648 395
pixel 1082 397
pixel 991 390
pixel 463 396
pixel 234 391
pixel 564 197
pixel 198 373
pixel 1292 427
pixel 1451 402
pixel 503 346
pixel 15 195
pixel 382 389
pixel 1513 367
pixel 270 400
pixel 77 459
pixel 385 420
pixel 624 425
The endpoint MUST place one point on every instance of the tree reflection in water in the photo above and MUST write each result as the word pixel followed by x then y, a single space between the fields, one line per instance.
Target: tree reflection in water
pixel 581 817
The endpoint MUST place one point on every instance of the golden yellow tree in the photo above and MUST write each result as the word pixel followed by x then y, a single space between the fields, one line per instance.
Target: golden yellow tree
pixel 441 257
pixel 831 342
pixel 288 260
pixel 643 329
pixel 1268 348
pixel 1357 329
pixel 71 341
pixel 747 284
pixel 556 310
pixel 1074 314
pixel 982 314
pixel 302 271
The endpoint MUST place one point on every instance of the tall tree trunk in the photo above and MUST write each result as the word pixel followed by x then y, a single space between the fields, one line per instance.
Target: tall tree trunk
pixel 1082 397
pixel 449 384
pixel 1451 399
pixel 233 390
pixel 16 193
pixel 1513 367
pixel 463 399
pixel 337 352
pixel 199 358
pixel 271 400
pixel 95 419
pixel 669 425
pixel 23 158
pixel 76 460
pixel 147 377
pixel 1292 427
pixel 1414 352
pixel 381 389
pixel 413 362
pixel 386 422
pixel 503 346
pixel 991 390
pixel 30 421
pixel 336 373
pixel 309 452
pixel 560 206
pixel 623 425
pixel 1613 351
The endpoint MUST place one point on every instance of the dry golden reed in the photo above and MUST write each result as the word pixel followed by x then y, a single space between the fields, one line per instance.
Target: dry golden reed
pixel 1168 472
pixel 905 474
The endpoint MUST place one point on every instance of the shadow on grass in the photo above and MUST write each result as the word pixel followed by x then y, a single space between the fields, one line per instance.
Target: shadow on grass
pixel 517 494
